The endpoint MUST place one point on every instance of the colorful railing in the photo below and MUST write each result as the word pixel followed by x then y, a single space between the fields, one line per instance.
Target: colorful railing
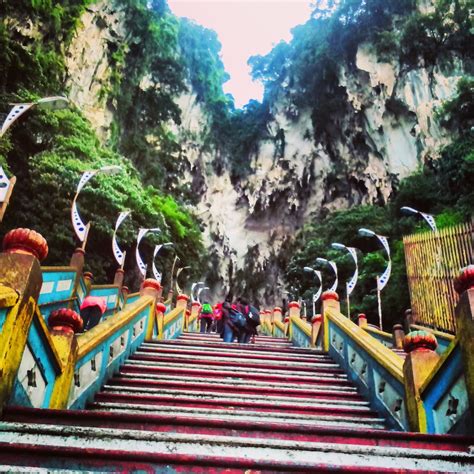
pixel 45 361
pixel 431 390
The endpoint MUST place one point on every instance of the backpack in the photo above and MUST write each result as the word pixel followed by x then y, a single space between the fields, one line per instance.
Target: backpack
pixel 237 319
pixel 253 315
pixel 206 309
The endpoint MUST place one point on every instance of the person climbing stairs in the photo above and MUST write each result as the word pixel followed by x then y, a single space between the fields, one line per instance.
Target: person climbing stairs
pixel 196 404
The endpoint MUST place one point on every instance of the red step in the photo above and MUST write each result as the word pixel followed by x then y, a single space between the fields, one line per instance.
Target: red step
pixel 248 363
pixel 303 379
pixel 231 404
pixel 260 391
pixel 251 429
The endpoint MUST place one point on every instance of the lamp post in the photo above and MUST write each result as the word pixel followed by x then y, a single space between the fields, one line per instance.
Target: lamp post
pixel 200 291
pixel 6 184
pixel 382 280
pixel 330 263
pixel 52 103
pixel 118 254
pixel 350 285
pixel 177 276
pixel 156 273
pixel 193 287
pixel 176 259
pixel 429 218
pixel 316 295
pixel 81 229
pixel 140 263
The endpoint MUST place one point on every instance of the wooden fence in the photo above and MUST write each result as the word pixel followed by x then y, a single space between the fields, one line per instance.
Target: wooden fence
pixel 433 261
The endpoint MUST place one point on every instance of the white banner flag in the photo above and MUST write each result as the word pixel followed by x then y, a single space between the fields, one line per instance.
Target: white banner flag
pixel 118 254
pixel 353 281
pixel 4 185
pixel 141 264
pixel 383 279
pixel 17 111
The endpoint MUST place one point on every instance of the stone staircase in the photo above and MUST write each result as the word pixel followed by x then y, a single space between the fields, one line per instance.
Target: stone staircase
pixel 196 404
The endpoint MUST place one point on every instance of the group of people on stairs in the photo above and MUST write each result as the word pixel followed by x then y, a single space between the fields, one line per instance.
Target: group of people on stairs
pixel 235 322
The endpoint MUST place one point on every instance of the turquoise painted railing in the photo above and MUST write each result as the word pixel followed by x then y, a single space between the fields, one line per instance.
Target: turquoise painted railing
pixel 375 369
pixel 445 397
pixel 299 332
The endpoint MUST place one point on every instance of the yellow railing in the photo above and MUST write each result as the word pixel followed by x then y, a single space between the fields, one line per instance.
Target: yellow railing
pixel 433 261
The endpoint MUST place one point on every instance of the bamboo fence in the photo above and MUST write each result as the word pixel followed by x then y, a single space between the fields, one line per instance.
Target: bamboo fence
pixel 433 260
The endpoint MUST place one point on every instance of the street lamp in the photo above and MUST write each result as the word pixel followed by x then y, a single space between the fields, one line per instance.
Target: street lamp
pixel 141 264
pixel 118 254
pixel 429 218
pixel 316 295
pixel 193 286
pixel 81 229
pixel 200 291
pixel 330 263
pixel 7 185
pixel 156 273
pixel 382 280
pixel 52 103
pixel 350 285
pixel 178 289
pixel 176 259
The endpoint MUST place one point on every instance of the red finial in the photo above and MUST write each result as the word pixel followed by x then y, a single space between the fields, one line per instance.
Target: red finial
pixel 465 280
pixel 330 295
pixel 317 318
pixel 294 304
pixel 161 308
pixel 65 320
pixel 419 340
pixel 151 283
pixel 25 241
pixel 182 297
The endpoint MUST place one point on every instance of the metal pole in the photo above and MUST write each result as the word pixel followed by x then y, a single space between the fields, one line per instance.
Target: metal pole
pixel 379 302
pixel 314 307
pixel 348 302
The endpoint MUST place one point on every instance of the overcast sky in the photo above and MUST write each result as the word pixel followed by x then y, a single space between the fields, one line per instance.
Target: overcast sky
pixel 245 28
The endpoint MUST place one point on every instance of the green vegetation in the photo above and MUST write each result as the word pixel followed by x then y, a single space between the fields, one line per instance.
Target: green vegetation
pixel 48 151
pixel 443 187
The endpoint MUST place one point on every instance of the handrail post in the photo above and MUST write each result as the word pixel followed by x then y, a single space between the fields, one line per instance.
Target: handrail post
pixel 464 285
pixel 420 361
pixel 398 336
pixel 151 287
pixel 294 311
pixel 20 286
pixel 330 300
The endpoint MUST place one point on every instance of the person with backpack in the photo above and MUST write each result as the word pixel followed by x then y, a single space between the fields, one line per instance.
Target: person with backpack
pixel 234 321
pixel 206 317
pixel 252 321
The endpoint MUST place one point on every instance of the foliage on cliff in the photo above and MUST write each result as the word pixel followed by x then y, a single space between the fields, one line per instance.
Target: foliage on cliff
pixel 48 151
pixel 443 188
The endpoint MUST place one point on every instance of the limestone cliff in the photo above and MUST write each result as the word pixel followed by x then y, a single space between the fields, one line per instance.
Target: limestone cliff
pixel 387 129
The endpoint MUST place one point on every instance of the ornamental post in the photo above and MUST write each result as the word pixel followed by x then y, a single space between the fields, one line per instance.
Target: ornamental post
pixel 330 301
pixel 64 324
pixel 151 287
pixel 195 308
pixel 421 359
pixel 294 310
pixel 182 303
pixel 464 286
pixel 20 285
pixel 160 319
pixel 398 336
pixel 362 320
pixel 316 323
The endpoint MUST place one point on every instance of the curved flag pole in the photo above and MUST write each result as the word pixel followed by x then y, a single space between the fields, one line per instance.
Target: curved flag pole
pixel 316 295
pixel 81 229
pixel 333 265
pixel 156 273
pixel 382 280
pixel 141 264
pixel 178 289
pixel 118 254
pixel 350 285
pixel 52 103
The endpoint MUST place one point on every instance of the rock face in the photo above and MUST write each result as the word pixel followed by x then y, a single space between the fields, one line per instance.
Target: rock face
pixel 88 63
pixel 387 130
